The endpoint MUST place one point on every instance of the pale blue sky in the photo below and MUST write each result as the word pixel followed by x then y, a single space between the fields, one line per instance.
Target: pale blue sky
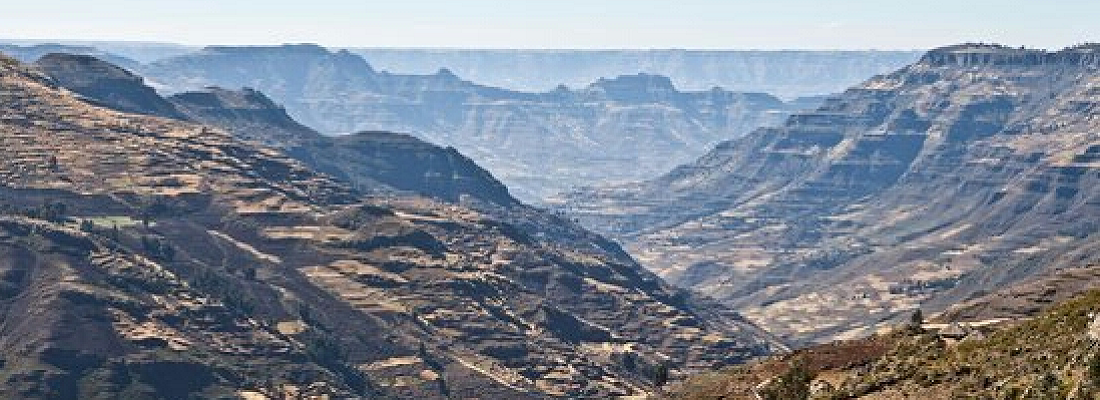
pixel 703 24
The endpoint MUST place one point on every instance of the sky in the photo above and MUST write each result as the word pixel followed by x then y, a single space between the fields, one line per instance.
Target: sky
pixel 563 24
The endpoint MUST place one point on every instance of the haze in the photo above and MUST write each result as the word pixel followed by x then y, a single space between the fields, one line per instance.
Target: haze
pixel 697 24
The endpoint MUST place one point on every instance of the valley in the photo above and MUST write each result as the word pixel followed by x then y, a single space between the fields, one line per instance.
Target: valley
pixel 290 221
pixel 969 169
pixel 148 257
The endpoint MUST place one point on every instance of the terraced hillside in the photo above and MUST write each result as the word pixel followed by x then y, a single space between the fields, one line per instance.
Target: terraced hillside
pixel 973 168
pixel 370 161
pixel 137 248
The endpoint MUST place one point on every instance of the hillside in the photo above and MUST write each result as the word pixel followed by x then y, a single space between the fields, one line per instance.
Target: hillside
pixel 372 162
pixel 968 170
pixel 147 258
pixel 538 143
pixel 1053 355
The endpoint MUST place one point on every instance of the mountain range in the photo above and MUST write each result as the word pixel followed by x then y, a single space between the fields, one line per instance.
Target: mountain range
pixel 621 124
pixel 149 257
pixel 182 228
pixel 539 143
pixel 972 168
pixel 787 74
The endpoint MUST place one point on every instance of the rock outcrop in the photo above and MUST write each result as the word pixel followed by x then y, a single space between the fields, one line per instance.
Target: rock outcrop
pixel 970 169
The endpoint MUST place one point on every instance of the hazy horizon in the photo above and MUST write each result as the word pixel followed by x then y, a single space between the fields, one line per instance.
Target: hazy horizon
pixel 561 25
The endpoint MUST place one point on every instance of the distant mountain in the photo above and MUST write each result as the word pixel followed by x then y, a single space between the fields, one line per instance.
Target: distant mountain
pixel 785 73
pixel 148 257
pixel 139 52
pixel 31 53
pixel 105 82
pixel 619 129
pixel 973 168
pixel 370 161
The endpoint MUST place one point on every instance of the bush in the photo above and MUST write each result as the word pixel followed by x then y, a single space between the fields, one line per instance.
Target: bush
pixel 791 385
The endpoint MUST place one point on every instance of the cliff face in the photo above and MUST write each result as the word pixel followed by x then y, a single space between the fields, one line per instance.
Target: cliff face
pixel 539 143
pixel 969 169
pixel 146 257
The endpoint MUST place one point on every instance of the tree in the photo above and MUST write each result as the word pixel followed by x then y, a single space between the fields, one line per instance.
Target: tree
pixel 916 321
pixel 660 374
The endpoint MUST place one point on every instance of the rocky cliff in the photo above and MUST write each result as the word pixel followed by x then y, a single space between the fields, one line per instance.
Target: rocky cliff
pixel 539 143
pixel 145 257
pixel 972 168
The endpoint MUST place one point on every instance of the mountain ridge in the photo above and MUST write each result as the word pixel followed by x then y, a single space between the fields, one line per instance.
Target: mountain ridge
pixel 918 187
pixel 187 252
pixel 538 143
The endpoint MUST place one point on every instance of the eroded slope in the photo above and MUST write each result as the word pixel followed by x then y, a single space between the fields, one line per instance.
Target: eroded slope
pixel 975 167
pixel 319 288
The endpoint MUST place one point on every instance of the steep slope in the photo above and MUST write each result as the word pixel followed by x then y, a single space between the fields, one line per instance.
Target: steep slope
pixel 788 74
pixel 1053 355
pixel 972 168
pixel 1025 298
pixel 627 128
pixel 371 162
pixel 115 87
pixel 151 248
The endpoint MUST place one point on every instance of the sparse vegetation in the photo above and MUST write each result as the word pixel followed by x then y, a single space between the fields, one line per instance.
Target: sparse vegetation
pixel 1048 357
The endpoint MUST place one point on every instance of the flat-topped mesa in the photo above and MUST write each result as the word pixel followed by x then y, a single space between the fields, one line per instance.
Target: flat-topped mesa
pixel 301 48
pixel 213 96
pixel 635 88
pixel 981 54
pixel 308 51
